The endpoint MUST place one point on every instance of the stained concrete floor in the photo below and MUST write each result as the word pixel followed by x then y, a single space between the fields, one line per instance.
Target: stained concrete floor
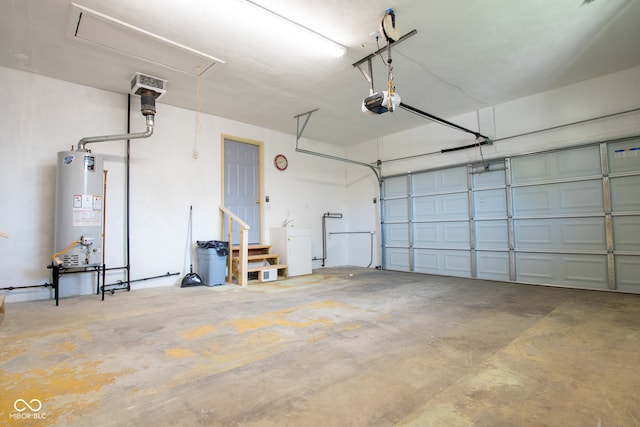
pixel 342 347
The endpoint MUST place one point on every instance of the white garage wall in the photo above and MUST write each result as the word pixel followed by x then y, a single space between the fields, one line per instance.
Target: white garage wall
pixel 598 97
pixel 41 116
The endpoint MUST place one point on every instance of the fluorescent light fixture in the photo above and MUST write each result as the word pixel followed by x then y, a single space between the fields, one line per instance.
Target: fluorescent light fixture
pixel 291 30
pixel 111 33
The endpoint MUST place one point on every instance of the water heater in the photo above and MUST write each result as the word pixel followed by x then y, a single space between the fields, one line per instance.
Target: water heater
pixel 79 209
pixel 78 235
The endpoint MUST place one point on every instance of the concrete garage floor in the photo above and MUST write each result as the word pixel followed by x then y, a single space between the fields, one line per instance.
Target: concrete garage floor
pixel 342 347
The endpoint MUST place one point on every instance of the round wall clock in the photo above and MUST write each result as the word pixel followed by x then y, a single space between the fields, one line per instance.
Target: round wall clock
pixel 280 162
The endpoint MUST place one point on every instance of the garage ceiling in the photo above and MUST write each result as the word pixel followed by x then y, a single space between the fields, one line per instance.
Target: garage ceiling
pixel 465 55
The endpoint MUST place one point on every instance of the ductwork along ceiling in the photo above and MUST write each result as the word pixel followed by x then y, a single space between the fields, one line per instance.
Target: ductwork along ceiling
pixel 463 57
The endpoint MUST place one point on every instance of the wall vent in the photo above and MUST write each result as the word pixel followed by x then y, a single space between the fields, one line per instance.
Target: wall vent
pixel 140 82
pixel 111 33
pixel 268 275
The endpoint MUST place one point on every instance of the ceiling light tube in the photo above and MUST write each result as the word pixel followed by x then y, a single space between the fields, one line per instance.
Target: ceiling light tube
pixel 321 43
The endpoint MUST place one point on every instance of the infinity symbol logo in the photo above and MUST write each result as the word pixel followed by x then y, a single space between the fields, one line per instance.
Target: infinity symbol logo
pixel 21 405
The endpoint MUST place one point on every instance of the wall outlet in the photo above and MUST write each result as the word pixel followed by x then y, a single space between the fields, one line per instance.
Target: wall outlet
pixel 195 154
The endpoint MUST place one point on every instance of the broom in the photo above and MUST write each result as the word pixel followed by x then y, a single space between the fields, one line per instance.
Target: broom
pixel 191 279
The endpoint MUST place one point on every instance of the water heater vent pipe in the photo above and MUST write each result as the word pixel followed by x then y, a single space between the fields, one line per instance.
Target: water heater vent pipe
pixel 148 109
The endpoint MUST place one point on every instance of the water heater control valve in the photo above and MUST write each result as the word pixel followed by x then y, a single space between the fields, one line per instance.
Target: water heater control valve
pixel 86 240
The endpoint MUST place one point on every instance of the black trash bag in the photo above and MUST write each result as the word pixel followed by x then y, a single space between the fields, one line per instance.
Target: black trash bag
pixel 222 248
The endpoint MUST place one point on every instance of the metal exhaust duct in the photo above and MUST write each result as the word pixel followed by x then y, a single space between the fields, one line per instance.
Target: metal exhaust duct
pixel 78 239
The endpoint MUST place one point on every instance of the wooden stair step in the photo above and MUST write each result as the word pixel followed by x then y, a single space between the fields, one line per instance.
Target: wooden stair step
pixel 252 250
pixel 266 267
pixel 282 271
pixel 258 254
pixel 261 257
pixel 254 246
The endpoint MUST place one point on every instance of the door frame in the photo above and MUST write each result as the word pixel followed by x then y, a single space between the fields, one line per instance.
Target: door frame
pixel 261 209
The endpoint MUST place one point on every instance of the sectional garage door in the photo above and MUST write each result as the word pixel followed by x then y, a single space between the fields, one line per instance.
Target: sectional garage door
pixel 568 217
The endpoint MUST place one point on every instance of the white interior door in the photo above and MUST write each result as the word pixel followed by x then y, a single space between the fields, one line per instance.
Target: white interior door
pixel 242 185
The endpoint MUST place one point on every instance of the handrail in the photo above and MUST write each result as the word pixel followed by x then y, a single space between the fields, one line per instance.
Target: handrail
pixel 235 217
pixel 243 255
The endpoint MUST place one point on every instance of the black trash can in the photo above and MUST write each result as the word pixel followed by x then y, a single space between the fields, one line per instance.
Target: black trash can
pixel 212 261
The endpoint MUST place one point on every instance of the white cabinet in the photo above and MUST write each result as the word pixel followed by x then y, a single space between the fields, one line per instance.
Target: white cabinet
pixel 293 245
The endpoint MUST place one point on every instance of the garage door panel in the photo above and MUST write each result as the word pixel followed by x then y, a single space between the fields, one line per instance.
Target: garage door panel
pixel 625 194
pixel 558 199
pixel 397 259
pixel 492 265
pixel 427 261
pixel 397 234
pixel 396 187
pixel 440 181
pixel 626 232
pixel 587 270
pixel 489 179
pixel 530 168
pixel 444 262
pixel 425 208
pixel 532 200
pixel 583 197
pixel 572 163
pixel 560 234
pixel 396 210
pixel 584 271
pixel 628 273
pixel 441 235
pixel 535 268
pixel 490 203
pixel 624 156
pixel 568 217
pixel 450 206
pixel 492 235
pixel 455 206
